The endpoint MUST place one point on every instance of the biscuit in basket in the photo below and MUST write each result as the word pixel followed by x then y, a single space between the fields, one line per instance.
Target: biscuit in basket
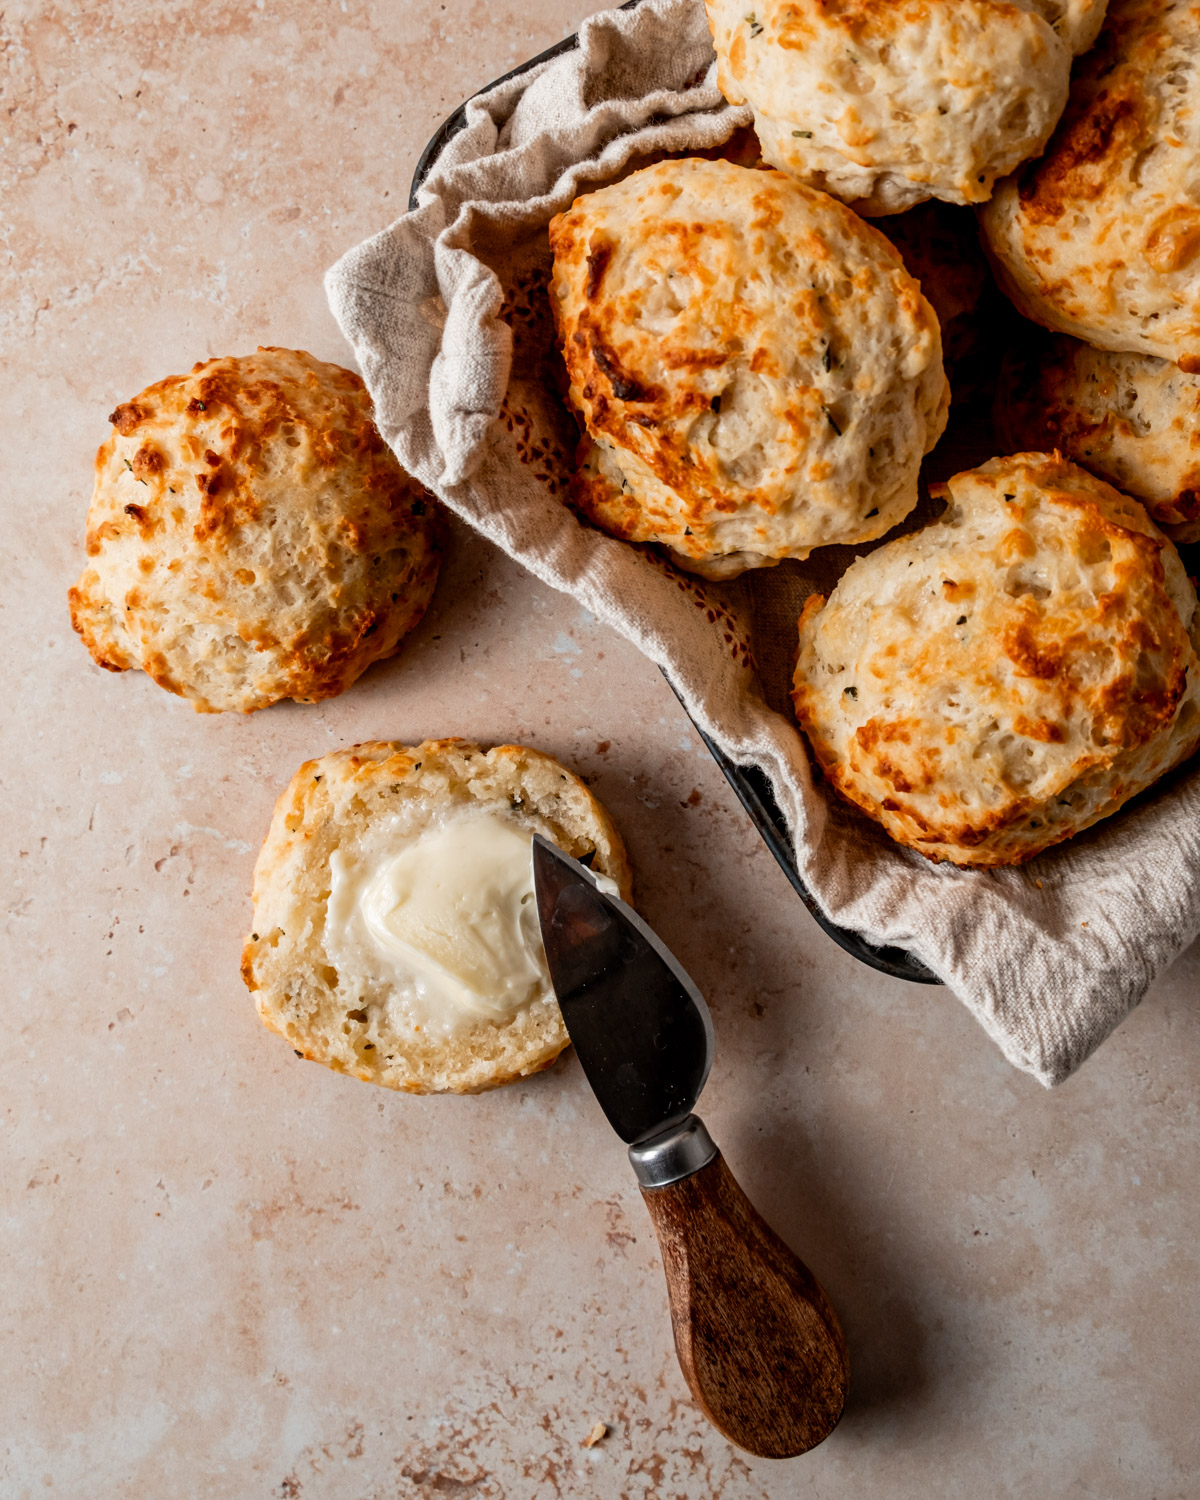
pixel 1100 238
pixel 395 935
pixel 757 372
pixel 251 537
pixel 1130 418
pixel 993 684
pixel 886 104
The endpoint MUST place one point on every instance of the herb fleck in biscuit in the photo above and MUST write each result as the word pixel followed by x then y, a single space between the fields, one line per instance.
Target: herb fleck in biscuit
pixel 395 936
pixel 757 372
pixel 1009 675
pixel 251 537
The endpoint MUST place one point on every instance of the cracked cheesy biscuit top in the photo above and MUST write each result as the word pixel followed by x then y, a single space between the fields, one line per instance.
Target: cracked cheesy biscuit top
pixel 1006 677
pixel 251 537
pixel 885 103
pixel 394 931
pixel 757 372
pixel 1100 238
pixel 1130 418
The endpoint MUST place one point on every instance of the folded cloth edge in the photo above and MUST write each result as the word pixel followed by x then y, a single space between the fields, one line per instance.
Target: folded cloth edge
pixel 421 425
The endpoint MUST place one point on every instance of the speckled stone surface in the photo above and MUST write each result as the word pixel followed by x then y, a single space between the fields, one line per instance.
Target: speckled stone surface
pixel 230 1273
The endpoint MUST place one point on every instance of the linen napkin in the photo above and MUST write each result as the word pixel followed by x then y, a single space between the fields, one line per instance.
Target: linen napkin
pixel 446 312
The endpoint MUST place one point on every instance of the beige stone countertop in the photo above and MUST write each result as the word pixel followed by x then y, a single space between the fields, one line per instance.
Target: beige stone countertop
pixel 227 1272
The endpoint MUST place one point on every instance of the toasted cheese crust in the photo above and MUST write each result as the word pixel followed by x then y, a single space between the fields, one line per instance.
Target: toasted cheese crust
pixel 885 103
pixel 251 537
pixel 757 372
pixel 1130 418
pixel 352 800
pixel 1100 238
pixel 1009 675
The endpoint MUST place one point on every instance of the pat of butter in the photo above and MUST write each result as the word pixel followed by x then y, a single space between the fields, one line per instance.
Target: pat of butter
pixel 453 911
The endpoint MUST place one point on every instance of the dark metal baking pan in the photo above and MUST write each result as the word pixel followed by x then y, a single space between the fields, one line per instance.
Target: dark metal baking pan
pixel 749 782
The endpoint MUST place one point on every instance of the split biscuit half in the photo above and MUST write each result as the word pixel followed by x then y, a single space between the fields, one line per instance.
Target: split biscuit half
pixel 381 948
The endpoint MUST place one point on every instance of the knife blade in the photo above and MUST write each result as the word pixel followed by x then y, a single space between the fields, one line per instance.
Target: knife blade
pixel 757 1339
pixel 642 1030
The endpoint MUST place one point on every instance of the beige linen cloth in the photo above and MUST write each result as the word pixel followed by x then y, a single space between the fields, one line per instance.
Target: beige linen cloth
pixel 1049 957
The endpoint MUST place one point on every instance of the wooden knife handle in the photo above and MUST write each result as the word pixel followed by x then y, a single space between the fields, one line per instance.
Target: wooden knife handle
pixel 757 1340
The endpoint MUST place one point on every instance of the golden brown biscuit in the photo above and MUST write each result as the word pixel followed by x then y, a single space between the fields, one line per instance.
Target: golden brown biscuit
pixel 321 981
pixel 886 104
pixel 251 537
pixel 993 684
pixel 1130 418
pixel 1100 238
pixel 758 373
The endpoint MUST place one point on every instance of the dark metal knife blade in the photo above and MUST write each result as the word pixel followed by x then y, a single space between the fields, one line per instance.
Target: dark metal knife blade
pixel 757 1340
pixel 640 1026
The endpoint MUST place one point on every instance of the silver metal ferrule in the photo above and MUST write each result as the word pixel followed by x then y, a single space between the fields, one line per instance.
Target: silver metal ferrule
pixel 676 1153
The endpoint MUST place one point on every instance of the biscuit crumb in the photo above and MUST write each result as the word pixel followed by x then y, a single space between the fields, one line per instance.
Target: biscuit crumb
pixel 1038 883
pixel 597 1435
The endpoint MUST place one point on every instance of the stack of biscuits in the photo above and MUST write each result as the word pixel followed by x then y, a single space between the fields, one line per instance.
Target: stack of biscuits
pixel 756 349
pixel 757 358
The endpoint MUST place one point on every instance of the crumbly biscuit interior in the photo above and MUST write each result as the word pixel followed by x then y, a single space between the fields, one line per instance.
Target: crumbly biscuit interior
pixel 361 802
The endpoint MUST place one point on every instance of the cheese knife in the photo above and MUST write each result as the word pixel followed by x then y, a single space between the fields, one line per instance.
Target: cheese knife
pixel 758 1342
